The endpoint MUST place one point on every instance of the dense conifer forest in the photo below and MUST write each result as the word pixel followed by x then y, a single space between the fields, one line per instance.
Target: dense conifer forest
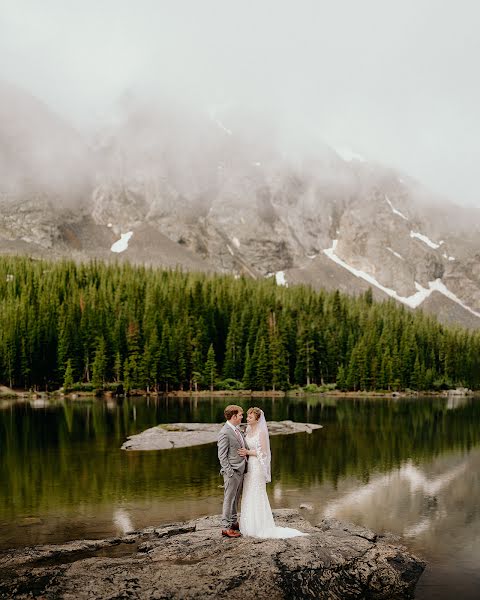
pixel 97 326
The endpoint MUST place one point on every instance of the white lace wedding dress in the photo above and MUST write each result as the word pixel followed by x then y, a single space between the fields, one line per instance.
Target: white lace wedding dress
pixel 256 517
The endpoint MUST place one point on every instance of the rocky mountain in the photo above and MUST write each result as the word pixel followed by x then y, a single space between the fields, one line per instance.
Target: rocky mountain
pixel 225 192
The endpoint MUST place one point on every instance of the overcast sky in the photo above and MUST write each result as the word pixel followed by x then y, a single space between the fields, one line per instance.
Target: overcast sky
pixel 397 82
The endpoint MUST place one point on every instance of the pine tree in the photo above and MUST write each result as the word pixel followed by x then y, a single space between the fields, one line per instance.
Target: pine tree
pixel 117 367
pixel 341 379
pixel 149 362
pixel 278 355
pixel 416 381
pixel 232 363
pixel 68 377
pixel 368 297
pixel 353 373
pixel 127 376
pixel 248 374
pixel 134 356
pixel 165 362
pixel 261 367
pixel 210 370
pixel 99 365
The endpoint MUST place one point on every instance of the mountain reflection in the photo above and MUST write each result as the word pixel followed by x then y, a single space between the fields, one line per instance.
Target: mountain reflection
pixel 407 501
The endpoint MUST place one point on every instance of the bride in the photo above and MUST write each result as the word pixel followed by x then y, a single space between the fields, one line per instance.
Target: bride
pixel 256 517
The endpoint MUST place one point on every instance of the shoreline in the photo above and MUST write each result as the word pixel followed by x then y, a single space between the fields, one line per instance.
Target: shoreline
pixel 10 394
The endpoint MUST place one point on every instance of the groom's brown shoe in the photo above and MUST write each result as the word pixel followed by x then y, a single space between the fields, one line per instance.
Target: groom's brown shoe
pixel 236 526
pixel 231 533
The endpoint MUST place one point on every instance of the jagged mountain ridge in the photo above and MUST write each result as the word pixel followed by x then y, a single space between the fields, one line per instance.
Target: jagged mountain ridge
pixel 225 193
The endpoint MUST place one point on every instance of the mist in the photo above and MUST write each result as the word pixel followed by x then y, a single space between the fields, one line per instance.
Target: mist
pixel 392 82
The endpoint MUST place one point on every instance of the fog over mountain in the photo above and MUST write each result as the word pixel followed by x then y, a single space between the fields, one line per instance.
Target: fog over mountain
pixel 40 153
pixel 393 82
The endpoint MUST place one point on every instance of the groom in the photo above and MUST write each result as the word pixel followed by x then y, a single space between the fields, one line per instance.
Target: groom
pixel 231 454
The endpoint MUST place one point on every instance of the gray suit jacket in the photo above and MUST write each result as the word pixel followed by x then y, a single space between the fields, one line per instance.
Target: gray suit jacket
pixel 228 444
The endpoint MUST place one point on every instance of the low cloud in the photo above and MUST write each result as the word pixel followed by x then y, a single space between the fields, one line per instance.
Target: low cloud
pixel 393 83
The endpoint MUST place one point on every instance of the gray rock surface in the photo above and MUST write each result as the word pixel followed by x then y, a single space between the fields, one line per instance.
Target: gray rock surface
pixel 192 560
pixel 181 435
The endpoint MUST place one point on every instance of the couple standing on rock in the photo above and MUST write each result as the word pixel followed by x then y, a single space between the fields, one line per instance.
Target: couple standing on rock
pixel 245 463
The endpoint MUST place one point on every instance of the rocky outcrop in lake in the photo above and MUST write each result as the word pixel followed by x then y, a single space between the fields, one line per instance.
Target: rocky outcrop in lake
pixel 180 435
pixel 193 561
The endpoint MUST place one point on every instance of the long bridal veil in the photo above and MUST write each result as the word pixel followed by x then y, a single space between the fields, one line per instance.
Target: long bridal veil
pixel 263 448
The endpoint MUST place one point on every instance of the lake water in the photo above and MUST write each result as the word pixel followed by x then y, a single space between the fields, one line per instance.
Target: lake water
pixel 406 466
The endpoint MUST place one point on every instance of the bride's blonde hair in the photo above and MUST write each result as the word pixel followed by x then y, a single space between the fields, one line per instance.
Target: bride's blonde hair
pixel 256 411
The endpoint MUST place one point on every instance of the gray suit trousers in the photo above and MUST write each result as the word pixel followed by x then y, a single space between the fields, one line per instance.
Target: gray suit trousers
pixel 232 491
pixel 233 468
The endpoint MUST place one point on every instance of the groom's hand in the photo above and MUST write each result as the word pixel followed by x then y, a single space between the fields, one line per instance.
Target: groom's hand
pixel 242 451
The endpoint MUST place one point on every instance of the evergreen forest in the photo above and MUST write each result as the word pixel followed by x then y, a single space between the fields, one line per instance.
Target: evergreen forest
pixel 97 326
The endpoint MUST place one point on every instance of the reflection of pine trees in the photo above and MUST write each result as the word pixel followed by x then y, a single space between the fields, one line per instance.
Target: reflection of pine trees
pixel 153 330
pixel 63 456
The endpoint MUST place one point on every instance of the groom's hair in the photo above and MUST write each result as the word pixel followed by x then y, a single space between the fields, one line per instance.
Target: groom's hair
pixel 232 409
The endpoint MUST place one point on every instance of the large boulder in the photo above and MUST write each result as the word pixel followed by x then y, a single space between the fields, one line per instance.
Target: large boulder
pixel 193 561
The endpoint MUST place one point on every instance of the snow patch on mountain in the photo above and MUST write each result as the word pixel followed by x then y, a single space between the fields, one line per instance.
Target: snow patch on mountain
pixel 212 112
pixel 446 257
pixel 439 286
pixel 415 299
pixel 412 301
pixel 349 155
pixel 330 252
pixel 395 253
pixel 394 210
pixel 426 240
pixel 222 126
pixel 236 242
pixel 122 244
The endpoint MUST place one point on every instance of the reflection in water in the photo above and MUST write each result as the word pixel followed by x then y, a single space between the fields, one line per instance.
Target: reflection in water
pixel 39 403
pixel 122 521
pixel 454 402
pixel 407 493
pixel 411 467
pixel 418 480
pixel 277 492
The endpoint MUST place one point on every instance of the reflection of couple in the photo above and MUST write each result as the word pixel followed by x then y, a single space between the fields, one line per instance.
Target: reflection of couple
pixel 245 462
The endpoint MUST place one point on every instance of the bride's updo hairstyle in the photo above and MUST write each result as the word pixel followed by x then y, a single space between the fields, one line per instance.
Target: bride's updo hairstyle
pixel 256 411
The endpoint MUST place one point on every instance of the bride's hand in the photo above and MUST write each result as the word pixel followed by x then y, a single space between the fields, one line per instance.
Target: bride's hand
pixel 243 451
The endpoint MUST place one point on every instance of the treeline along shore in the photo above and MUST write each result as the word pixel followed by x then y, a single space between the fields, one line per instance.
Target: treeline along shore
pixel 97 326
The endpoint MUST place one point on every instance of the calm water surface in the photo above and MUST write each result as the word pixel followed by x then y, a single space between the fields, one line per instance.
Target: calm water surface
pixel 411 467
